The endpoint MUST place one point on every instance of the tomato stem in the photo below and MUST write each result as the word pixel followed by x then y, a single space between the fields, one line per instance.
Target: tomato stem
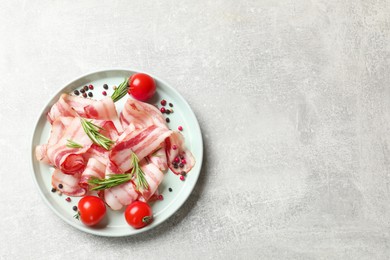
pixel 77 215
pixel 147 219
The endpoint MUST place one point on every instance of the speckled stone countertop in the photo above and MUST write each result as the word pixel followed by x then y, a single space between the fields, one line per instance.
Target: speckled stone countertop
pixel 293 99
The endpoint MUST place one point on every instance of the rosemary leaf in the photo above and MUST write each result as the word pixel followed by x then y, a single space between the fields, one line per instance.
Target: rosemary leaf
pixel 120 91
pixel 93 133
pixel 112 181
pixel 73 144
pixel 140 181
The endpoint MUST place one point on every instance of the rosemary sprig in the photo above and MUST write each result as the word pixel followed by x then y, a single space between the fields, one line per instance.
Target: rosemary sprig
pixel 93 133
pixel 73 144
pixel 140 181
pixel 120 91
pixel 118 179
pixel 112 181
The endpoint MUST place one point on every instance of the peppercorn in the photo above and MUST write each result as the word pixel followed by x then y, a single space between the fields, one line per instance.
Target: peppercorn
pixel 53 189
pixel 76 92
pixel 84 94
pixel 82 91
pixel 105 86
pixel 170 104
pixel 170 189
pixel 90 94
pixel 86 88
pixel 74 208
pixel 60 186
pixel 167 111
pixel 167 120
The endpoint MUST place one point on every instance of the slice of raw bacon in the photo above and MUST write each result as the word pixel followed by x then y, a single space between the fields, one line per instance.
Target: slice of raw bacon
pixel 69 105
pixel 104 109
pixel 159 158
pixel 142 142
pixel 153 176
pixel 69 183
pixel 57 130
pixel 94 168
pixel 71 160
pixel 141 115
pixel 119 196
pixel 178 154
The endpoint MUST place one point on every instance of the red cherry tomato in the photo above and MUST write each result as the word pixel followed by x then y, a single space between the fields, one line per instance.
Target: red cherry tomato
pixel 92 210
pixel 138 214
pixel 141 86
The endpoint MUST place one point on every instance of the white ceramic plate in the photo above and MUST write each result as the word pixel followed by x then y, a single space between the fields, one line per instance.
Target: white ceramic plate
pixel 114 224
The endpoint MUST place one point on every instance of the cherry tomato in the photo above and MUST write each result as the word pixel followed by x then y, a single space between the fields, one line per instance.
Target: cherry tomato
pixel 138 214
pixel 91 210
pixel 141 86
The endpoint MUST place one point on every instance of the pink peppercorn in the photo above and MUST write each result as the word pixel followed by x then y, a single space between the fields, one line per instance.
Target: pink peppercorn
pixel 163 102
pixel 160 197
pixel 182 178
pixel 177 160
pixel 180 128
pixel 162 110
pixel 104 93
pixel 174 147
pixel 183 161
pixel 90 87
pixel 68 199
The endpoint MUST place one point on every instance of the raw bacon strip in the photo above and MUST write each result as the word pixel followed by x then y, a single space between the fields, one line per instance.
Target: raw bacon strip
pixel 141 142
pixel 153 176
pixel 98 153
pixel 94 169
pixel 120 196
pixel 58 128
pixel 71 160
pixel 56 133
pixel 41 153
pixel 70 183
pixel 159 158
pixel 141 115
pixel 176 140
pixel 104 109
pixel 72 106
pixel 68 105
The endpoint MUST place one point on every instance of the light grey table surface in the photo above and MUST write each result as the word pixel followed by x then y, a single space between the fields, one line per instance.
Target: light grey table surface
pixel 292 97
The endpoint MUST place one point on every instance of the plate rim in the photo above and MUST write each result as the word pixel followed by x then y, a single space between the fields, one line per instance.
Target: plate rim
pixel 96 232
